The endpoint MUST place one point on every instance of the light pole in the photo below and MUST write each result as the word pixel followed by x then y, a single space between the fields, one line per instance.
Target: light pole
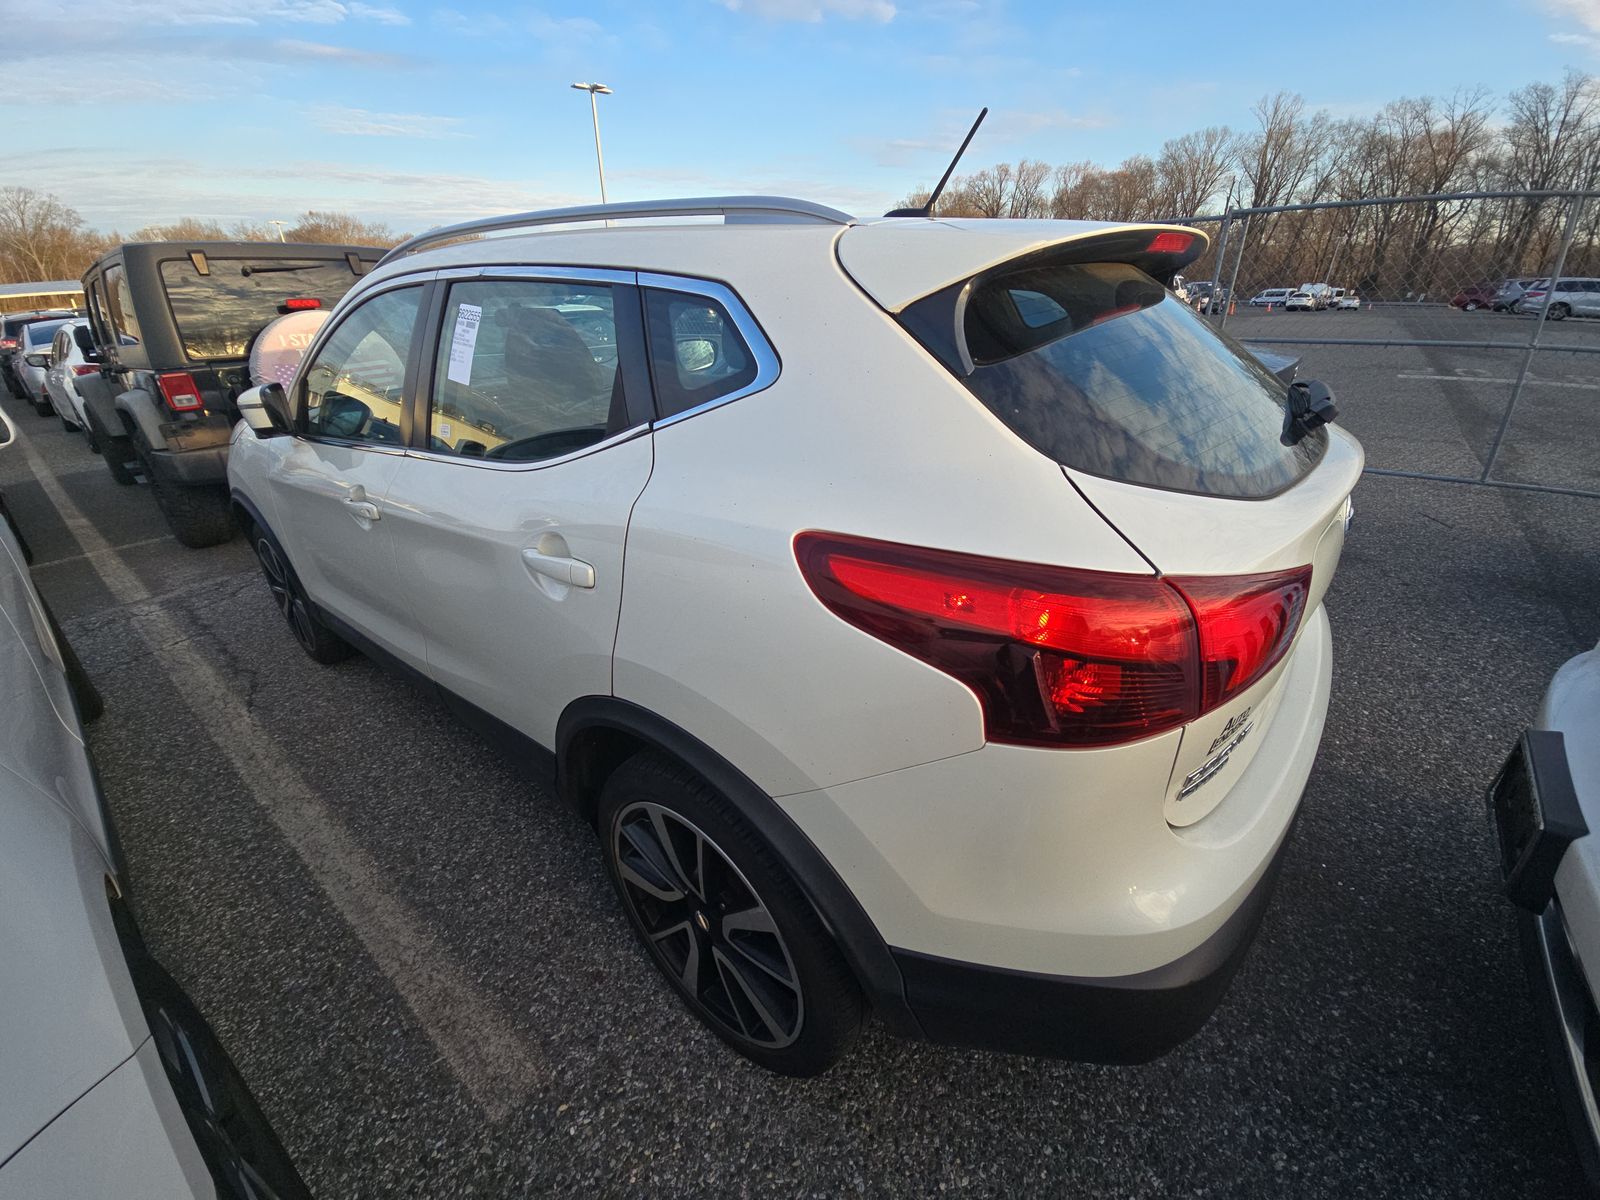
pixel 280 225
pixel 595 89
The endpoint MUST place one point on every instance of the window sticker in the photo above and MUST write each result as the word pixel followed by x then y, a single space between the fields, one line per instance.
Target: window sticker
pixel 464 343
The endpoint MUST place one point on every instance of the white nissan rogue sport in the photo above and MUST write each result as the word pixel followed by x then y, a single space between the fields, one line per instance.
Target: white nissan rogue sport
pixel 926 613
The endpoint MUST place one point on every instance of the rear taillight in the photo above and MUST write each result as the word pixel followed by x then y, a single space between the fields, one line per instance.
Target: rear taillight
pixel 1057 656
pixel 179 390
pixel 85 369
pixel 8 343
pixel 1246 623
pixel 300 304
pixel 1169 242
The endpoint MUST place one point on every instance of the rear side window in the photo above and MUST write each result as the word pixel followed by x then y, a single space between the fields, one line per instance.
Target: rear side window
pixel 1099 367
pixel 119 303
pixel 697 354
pixel 220 312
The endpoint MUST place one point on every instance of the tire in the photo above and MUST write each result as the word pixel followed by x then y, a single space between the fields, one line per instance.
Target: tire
pixel 118 452
pixel 1560 312
pixel 244 1154
pixel 315 638
pixel 796 1015
pixel 42 406
pixel 198 516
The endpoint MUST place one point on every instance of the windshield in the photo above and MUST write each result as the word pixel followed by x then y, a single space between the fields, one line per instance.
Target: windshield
pixel 1098 366
pixel 220 313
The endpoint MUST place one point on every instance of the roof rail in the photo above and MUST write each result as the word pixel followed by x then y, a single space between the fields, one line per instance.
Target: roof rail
pixel 777 209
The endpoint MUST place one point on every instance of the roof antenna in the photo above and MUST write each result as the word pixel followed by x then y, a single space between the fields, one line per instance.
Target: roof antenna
pixel 927 209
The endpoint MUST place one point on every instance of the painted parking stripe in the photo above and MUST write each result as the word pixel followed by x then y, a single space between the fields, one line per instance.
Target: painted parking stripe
pixel 491 1060
pixel 1530 381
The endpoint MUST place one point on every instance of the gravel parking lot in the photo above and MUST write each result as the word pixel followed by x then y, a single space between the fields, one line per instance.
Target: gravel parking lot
pixel 415 957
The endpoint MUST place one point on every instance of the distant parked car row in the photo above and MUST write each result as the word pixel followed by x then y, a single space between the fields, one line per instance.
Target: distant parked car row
pixel 1577 296
pixel 1308 297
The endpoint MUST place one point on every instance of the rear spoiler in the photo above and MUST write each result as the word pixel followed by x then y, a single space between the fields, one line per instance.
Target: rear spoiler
pixel 1284 366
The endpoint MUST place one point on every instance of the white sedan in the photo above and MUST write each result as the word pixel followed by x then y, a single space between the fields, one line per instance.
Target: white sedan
pixel 1544 803
pixel 1301 302
pixel 67 366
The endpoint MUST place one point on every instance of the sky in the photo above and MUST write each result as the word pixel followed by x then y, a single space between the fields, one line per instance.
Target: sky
pixel 416 114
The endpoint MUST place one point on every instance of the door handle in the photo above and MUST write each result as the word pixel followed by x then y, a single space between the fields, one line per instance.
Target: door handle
pixel 365 509
pixel 572 571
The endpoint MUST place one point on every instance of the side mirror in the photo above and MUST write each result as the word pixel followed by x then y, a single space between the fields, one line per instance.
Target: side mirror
pixel 266 410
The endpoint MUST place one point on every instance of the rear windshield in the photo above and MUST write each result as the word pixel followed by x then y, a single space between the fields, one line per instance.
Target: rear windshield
pixel 1101 368
pixel 218 314
pixel 40 333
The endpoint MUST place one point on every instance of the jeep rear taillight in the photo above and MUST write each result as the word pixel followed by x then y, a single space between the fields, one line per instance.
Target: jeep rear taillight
pixel 180 391
pixel 8 343
pixel 85 369
pixel 1059 656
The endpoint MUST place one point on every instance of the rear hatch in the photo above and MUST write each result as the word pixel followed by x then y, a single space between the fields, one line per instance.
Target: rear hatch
pixel 1179 437
pixel 220 302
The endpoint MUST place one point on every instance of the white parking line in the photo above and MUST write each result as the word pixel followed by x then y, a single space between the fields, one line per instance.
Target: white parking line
pixel 1531 381
pixel 71 558
pixel 492 1061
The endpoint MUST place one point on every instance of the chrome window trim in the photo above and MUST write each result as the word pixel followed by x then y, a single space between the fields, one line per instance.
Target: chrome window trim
pixel 522 271
pixel 768 365
pixel 537 464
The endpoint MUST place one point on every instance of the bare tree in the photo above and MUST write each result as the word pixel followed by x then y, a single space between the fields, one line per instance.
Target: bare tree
pixel 341 228
pixel 1191 168
pixel 41 238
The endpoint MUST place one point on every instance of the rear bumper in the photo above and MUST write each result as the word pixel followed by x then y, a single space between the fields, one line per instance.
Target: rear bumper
pixel 1126 1019
pixel 196 453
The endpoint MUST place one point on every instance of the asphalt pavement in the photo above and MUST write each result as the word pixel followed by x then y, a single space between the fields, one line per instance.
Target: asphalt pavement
pixel 412 951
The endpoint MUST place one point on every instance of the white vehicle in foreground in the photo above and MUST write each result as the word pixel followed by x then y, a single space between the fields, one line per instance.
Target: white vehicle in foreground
pixel 1545 803
pixel 910 635
pixel 113 1083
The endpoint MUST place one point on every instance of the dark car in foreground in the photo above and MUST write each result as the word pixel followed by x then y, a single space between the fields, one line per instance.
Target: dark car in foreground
pixel 173 323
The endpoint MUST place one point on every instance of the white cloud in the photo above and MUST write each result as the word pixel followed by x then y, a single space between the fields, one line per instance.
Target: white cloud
pixel 1585 13
pixel 362 123
pixel 378 13
pixel 812 11
pixel 142 14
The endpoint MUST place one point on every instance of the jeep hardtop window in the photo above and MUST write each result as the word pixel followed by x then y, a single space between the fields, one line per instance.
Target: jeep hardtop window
pixel 1100 367
pixel 218 313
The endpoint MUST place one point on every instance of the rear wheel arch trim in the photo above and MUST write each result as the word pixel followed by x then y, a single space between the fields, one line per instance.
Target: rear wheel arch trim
pixel 863 947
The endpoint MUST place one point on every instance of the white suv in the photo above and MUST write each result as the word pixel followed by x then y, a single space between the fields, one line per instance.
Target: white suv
pixel 926 613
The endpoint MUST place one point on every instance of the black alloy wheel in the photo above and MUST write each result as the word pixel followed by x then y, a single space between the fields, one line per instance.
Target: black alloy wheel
pixel 315 639
pixel 707 926
pixel 1560 312
pixel 724 921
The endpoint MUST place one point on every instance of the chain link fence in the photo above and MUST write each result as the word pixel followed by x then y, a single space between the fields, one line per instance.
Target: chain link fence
pixel 1458 329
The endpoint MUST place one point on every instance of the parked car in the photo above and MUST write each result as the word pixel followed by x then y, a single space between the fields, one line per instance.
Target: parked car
pixel 1511 290
pixel 1272 297
pixel 1569 298
pixel 10 329
pixel 115 1085
pixel 1320 293
pixel 68 364
pixel 1202 299
pixel 1475 296
pixel 1346 300
pixel 1301 302
pixel 173 323
pixel 33 360
pixel 842 691
pixel 1545 803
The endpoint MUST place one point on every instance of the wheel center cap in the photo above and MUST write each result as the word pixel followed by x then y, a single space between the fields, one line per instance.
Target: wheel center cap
pixel 703 921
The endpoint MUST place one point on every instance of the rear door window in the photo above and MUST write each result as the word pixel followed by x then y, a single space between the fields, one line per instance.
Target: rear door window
pixel 219 313
pixel 1099 367
pixel 119 305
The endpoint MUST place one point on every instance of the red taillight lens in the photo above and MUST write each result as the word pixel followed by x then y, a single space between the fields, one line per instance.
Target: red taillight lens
pixel 8 343
pixel 1056 656
pixel 85 369
pixel 1246 624
pixel 1170 243
pixel 301 303
pixel 179 390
